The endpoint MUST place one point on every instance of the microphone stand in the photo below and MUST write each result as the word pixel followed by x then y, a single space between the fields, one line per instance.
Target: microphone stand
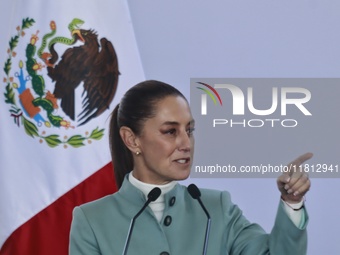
pixel 152 196
pixel 196 194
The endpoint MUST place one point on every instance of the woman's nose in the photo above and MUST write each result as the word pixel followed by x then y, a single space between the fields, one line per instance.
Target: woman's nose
pixel 185 142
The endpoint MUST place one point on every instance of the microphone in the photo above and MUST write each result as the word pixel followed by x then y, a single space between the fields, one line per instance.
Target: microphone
pixel 196 194
pixel 152 196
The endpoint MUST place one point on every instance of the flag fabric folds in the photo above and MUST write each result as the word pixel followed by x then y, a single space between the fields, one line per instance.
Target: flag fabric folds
pixel 65 66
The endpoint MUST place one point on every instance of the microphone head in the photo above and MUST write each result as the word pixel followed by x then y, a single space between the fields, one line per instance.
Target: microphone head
pixel 194 192
pixel 154 194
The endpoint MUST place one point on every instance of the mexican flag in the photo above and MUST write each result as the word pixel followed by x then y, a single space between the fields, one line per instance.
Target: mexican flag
pixel 65 65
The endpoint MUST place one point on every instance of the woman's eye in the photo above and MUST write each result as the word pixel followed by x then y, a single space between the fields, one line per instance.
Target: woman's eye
pixel 171 131
pixel 190 131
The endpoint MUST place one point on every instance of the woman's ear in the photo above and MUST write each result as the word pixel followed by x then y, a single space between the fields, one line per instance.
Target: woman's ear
pixel 129 138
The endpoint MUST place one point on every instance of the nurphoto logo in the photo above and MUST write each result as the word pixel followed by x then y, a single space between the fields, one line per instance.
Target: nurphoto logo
pixel 243 103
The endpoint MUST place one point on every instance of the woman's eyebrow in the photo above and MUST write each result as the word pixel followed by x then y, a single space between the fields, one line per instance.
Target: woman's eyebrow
pixel 172 123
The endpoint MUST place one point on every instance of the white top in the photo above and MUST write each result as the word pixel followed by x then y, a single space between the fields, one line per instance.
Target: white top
pixel 157 206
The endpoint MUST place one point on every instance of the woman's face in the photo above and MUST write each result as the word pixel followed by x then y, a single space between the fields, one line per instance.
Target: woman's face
pixel 166 143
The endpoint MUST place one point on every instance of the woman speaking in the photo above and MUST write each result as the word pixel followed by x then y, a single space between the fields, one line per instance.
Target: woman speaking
pixel 152 146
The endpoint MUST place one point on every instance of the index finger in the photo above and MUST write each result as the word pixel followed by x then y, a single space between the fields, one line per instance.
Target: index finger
pixel 298 161
pixel 301 159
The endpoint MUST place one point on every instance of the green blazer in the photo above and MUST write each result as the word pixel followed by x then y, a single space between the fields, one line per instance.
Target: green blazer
pixel 101 227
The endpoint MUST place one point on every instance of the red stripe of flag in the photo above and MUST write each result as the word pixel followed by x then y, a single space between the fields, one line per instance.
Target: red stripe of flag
pixel 48 231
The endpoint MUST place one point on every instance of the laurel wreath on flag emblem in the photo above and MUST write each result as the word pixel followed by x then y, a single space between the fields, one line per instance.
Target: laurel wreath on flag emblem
pixel 43 110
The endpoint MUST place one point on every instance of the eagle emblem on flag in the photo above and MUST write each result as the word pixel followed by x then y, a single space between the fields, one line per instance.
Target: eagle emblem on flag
pixel 43 77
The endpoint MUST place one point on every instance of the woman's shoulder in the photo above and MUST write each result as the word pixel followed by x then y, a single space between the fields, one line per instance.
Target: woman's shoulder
pixel 217 202
pixel 213 195
pixel 98 204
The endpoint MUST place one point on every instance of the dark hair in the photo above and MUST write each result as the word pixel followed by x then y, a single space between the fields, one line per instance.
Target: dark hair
pixel 136 106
